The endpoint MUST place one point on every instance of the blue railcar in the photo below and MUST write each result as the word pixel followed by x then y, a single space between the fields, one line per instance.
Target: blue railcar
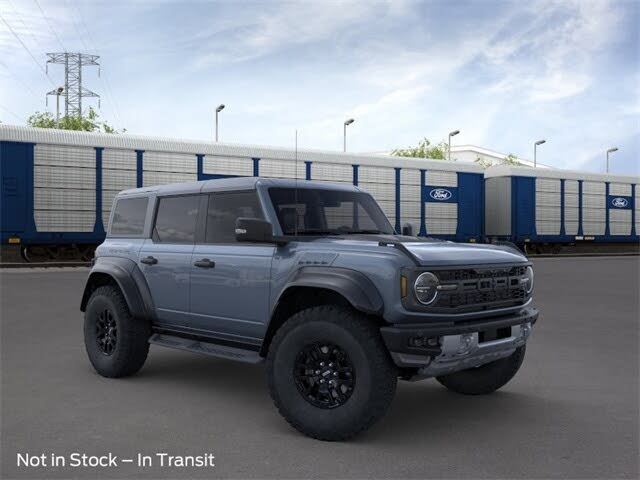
pixel 549 206
pixel 58 186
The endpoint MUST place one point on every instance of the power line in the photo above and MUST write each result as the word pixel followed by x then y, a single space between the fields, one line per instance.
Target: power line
pixel 10 112
pixel 25 84
pixel 46 19
pixel 33 37
pixel 105 82
pixel 27 49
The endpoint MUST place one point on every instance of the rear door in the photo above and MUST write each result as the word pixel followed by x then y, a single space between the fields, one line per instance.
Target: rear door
pixel 165 258
pixel 230 281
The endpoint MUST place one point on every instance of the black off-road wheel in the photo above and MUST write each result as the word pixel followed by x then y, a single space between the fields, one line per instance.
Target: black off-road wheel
pixel 329 373
pixel 117 344
pixel 486 378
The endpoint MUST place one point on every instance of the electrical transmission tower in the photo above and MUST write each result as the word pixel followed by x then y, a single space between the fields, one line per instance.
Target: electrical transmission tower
pixel 74 92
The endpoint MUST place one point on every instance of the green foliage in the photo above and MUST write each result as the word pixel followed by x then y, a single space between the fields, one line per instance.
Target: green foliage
pixel 87 123
pixel 424 150
pixel 510 159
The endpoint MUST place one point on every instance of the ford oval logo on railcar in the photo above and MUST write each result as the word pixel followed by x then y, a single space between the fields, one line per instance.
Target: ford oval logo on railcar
pixel 620 202
pixel 440 194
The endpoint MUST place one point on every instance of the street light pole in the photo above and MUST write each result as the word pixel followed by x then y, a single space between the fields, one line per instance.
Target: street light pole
pixel 344 133
pixel 611 150
pixel 535 147
pixel 218 110
pixel 451 134
pixel 59 90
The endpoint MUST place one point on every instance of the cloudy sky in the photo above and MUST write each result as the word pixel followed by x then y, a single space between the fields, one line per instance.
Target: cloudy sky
pixel 504 73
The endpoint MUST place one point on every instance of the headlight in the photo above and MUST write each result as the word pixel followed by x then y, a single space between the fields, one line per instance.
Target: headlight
pixel 426 288
pixel 528 275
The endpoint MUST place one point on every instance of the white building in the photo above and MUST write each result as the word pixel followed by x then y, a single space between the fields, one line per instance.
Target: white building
pixel 470 153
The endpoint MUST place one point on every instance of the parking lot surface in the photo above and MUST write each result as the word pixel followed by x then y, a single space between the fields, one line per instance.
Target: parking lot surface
pixel 571 412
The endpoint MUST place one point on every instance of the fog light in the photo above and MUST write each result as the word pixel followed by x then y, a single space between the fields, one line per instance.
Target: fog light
pixel 422 342
pixel 466 341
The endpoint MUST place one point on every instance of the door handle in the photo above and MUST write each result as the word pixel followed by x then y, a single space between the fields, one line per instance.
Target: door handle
pixel 149 260
pixel 205 263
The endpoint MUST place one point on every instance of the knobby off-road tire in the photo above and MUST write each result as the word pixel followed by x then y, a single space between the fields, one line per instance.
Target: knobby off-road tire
pixel 486 378
pixel 117 344
pixel 363 364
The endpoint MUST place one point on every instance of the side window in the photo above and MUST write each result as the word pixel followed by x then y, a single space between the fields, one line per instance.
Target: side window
pixel 224 209
pixel 176 219
pixel 128 216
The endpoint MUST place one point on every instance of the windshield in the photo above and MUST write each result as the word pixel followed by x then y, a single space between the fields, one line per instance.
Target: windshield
pixel 327 212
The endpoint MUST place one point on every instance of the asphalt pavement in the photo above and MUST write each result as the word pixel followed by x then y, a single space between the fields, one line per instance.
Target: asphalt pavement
pixel 571 412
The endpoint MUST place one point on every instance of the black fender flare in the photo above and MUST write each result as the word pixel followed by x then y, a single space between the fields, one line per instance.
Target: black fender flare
pixel 353 285
pixel 130 279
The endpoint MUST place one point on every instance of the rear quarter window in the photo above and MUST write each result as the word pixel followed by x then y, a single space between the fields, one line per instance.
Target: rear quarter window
pixel 128 216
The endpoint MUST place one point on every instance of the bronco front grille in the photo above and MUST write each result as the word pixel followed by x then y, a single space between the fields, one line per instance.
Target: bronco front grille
pixel 481 289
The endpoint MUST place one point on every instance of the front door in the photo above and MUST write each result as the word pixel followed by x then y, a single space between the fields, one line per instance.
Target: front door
pixel 230 281
pixel 165 259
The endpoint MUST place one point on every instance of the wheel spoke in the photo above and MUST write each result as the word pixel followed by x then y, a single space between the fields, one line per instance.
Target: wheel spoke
pixel 324 375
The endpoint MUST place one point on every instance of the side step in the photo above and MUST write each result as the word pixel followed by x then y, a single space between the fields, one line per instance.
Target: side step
pixel 197 346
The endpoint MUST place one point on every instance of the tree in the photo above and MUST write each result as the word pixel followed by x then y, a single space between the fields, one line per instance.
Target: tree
pixel 87 123
pixel 424 150
pixel 510 159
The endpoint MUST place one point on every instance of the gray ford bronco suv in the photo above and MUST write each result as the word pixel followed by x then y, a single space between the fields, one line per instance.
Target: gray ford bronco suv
pixel 311 279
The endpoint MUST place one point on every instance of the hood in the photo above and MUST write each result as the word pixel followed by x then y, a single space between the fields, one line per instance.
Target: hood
pixel 460 254
pixel 435 252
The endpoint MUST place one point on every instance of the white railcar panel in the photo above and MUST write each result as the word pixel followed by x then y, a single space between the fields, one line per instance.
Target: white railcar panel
pixel 409 210
pixel 547 185
pixel 571 200
pixel 594 188
pixel 380 191
pixel 549 214
pixel 332 172
pixel 441 179
pixel 441 218
pixel 64 220
pixel 571 186
pixel 64 177
pixel 115 159
pixel 169 162
pixel 620 189
pixel 548 199
pixel 546 227
pixel 410 193
pixel 376 175
pixel 594 201
pixel 409 176
pixel 162 178
pixel 439 226
pixel 119 179
pixel 571 214
pixel 620 222
pixel 282 169
pixel 593 228
pixel 215 165
pixel 64 156
pixel 548 209
pixel 64 199
pixel 571 228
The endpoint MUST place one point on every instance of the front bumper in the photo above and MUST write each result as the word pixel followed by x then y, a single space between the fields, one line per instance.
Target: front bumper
pixel 439 348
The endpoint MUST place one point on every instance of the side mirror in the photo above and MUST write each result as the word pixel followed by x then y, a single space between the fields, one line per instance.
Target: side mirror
pixel 254 230
pixel 407 230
